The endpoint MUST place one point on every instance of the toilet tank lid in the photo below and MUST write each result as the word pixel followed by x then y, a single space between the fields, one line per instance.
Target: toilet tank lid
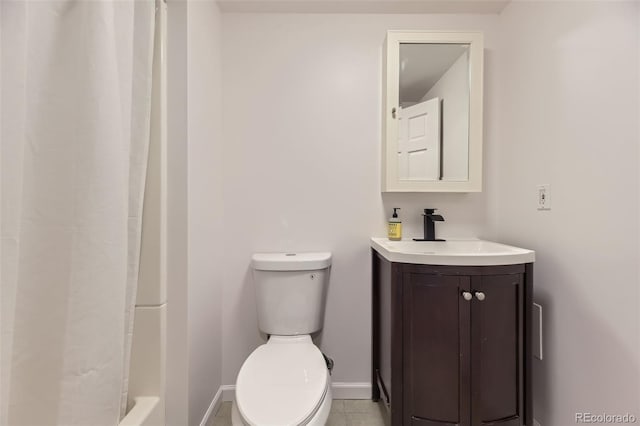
pixel 291 261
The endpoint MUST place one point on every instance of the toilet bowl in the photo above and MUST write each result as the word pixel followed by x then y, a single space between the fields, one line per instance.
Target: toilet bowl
pixel 286 382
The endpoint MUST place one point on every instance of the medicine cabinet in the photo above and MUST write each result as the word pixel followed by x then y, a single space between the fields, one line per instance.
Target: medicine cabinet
pixel 432 112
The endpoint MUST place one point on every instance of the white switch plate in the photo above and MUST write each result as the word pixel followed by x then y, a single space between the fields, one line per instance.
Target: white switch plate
pixel 544 197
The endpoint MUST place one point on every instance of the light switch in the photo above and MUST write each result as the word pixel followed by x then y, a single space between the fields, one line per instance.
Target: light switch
pixel 544 197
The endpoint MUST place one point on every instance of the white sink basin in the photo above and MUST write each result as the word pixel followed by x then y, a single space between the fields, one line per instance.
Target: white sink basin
pixel 454 252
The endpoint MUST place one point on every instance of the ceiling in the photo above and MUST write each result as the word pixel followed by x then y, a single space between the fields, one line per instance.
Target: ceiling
pixel 363 6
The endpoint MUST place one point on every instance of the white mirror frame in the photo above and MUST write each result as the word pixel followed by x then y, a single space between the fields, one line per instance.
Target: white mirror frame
pixel 390 101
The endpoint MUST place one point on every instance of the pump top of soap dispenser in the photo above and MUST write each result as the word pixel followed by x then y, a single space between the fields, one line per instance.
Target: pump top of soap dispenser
pixel 395 213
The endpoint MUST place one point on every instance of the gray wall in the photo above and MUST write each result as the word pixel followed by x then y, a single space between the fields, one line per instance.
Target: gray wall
pixel 194 315
pixel 302 102
pixel 298 160
pixel 205 182
pixel 569 117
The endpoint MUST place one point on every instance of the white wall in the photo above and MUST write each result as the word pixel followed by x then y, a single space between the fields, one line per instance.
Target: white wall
pixel 205 206
pixel 194 360
pixel 569 117
pixel 177 236
pixel 301 115
pixel 453 89
pixel 302 99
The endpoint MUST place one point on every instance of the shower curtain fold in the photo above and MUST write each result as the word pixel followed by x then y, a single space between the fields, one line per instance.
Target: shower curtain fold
pixel 76 85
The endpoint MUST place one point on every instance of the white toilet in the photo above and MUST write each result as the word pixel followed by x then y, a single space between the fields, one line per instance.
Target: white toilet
pixel 286 382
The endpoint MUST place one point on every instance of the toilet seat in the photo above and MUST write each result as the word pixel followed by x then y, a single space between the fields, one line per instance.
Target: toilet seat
pixel 282 383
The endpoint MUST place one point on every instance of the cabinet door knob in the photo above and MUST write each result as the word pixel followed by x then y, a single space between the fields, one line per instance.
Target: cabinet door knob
pixel 480 295
pixel 467 296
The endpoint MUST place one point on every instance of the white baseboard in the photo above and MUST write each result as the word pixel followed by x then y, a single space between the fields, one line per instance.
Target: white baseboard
pixel 213 407
pixel 351 390
pixel 339 390
pixel 228 392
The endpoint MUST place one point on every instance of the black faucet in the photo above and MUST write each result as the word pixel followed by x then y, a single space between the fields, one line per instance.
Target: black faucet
pixel 429 225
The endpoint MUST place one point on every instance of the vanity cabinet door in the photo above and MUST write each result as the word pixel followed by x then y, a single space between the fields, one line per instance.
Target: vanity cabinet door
pixel 497 330
pixel 436 349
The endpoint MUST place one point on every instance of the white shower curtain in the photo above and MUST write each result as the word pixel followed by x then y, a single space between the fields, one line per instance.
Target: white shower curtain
pixel 76 84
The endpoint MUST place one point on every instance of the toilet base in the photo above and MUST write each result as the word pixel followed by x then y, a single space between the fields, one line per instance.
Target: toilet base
pixel 320 418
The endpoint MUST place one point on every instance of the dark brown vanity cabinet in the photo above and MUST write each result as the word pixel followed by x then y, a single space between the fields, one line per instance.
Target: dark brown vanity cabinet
pixel 452 344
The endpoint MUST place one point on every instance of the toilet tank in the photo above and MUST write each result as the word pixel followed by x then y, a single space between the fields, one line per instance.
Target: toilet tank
pixel 291 291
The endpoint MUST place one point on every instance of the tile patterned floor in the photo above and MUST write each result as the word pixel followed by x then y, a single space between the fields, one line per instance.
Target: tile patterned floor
pixel 344 412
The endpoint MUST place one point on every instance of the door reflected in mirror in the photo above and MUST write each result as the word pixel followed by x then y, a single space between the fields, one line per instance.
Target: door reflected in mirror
pixel 433 112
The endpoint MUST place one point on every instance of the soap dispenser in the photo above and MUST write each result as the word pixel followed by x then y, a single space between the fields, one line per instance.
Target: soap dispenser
pixel 394 231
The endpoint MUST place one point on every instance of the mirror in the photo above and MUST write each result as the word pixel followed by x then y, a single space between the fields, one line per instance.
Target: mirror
pixel 432 139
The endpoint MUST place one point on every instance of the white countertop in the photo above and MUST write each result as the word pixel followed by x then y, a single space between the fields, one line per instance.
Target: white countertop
pixel 455 252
